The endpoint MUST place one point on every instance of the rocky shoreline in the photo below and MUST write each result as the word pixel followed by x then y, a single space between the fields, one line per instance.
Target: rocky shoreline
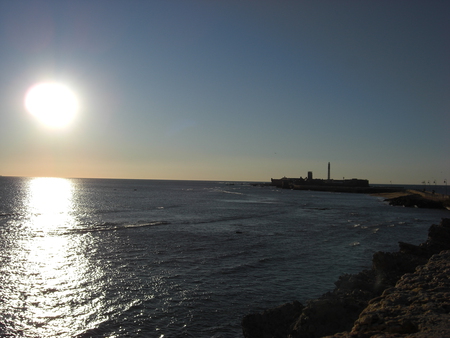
pixel 405 294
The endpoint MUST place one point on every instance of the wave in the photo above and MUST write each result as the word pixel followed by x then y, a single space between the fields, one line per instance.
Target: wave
pixel 228 192
pixel 151 224
pixel 222 219
pixel 171 206
pixel 109 226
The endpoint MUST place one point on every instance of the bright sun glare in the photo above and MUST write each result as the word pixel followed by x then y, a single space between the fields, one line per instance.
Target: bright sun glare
pixel 53 104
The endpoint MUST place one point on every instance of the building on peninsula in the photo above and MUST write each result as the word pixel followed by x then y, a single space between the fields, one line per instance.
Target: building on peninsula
pixel 310 183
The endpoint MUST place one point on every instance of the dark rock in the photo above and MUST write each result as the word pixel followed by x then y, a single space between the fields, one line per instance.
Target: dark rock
pixel 416 201
pixel 362 281
pixel 329 314
pixel 438 237
pixel 390 266
pixel 412 249
pixel 273 323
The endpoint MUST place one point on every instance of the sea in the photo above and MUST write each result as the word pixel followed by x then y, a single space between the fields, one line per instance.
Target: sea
pixel 154 258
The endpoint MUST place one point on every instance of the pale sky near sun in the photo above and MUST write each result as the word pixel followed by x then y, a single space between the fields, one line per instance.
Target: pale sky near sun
pixel 230 90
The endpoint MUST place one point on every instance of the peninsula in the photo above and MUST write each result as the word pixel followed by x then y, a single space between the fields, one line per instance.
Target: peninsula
pixel 397 196
pixel 353 185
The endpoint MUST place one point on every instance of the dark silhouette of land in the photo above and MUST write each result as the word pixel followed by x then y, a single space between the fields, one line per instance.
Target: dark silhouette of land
pixel 417 199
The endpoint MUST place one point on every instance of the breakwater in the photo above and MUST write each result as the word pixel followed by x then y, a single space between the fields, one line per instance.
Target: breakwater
pixel 349 189
pixel 420 199
pixel 372 302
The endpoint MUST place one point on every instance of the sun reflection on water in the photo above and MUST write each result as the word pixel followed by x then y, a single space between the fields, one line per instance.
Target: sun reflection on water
pixel 50 203
pixel 48 280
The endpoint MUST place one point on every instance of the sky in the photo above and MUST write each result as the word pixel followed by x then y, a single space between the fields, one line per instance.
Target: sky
pixel 230 90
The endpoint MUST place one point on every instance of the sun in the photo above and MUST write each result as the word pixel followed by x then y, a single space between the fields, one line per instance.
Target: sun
pixel 53 104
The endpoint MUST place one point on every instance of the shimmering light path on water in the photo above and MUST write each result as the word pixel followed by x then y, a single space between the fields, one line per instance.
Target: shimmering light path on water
pixel 51 286
pixel 109 258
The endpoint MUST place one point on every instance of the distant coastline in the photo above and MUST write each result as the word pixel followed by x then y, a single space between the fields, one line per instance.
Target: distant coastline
pixel 395 195
pixel 351 185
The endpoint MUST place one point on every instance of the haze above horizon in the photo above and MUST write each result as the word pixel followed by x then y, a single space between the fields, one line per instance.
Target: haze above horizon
pixel 229 90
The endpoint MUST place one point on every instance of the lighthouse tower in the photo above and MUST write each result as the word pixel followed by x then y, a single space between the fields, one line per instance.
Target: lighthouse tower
pixel 328 171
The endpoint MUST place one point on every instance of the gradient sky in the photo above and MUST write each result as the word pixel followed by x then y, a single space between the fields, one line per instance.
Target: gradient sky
pixel 230 90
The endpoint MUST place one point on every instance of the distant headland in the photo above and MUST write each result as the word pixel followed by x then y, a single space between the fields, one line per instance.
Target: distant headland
pixel 398 196
pixel 353 185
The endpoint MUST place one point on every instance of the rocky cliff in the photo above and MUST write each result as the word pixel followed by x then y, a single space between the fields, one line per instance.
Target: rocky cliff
pixel 353 306
pixel 418 305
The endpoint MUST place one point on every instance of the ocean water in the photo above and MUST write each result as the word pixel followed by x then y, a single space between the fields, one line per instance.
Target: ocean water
pixel 126 258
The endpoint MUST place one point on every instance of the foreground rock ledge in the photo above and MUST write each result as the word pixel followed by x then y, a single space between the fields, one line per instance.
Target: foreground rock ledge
pixel 418 306
pixel 392 299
